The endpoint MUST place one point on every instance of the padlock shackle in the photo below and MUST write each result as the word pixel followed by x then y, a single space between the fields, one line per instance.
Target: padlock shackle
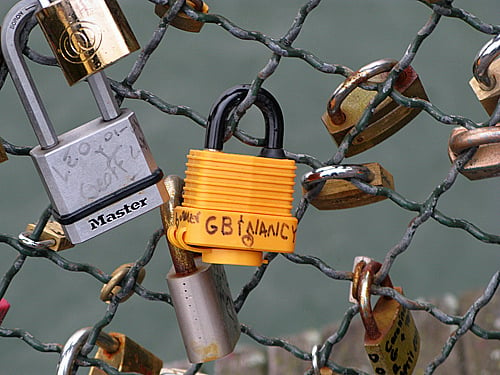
pixel 15 20
pixel 270 109
pixel 474 138
pixel 74 345
pixel 354 80
pixel 482 62
pixel 330 172
pixel 364 298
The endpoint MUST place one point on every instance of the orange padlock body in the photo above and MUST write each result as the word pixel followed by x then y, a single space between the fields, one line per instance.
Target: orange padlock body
pixel 235 203
pixel 396 350
pixel 387 119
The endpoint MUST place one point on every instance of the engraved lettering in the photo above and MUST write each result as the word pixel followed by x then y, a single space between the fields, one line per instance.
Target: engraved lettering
pixel 102 219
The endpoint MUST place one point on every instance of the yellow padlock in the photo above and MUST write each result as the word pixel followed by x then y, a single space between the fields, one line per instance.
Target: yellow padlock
pixel 391 340
pixel 237 206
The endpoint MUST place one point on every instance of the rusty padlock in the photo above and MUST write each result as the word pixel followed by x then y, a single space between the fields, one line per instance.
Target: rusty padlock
pixel 182 21
pixel 485 162
pixel 200 294
pixel 115 349
pixel 338 192
pixel 391 339
pixel 486 71
pixel 348 102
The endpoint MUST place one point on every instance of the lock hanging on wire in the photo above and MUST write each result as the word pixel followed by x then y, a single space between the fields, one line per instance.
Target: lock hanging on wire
pixel 237 206
pixel 485 162
pixel 348 102
pixel 200 294
pixel 86 36
pixel 392 341
pixel 486 72
pixel 182 21
pixel 98 175
pixel 4 309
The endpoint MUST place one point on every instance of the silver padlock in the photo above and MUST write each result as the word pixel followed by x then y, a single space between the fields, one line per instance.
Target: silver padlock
pixel 200 294
pixel 98 175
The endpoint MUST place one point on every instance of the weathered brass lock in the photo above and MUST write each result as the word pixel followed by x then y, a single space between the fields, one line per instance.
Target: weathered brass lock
pixel 53 231
pixel 86 36
pixel 348 102
pixel 200 294
pixel 182 21
pixel 338 192
pixel 115 349
pixel 237 206
pixel 391 340
pixel 486 71
pixel 113 287
pixel 485 162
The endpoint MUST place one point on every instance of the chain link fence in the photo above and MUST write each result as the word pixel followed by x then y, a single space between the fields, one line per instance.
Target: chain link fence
pixel 280 48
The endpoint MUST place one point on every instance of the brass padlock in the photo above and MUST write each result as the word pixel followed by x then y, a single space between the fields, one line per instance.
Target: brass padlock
pixel 391 340
pixel 52 231
pixel 348 102
pixel 86 36
pixel 115 349
pixel 485 162
pixel 182 21
pixel 338 192
pixel 486 71
pixel 113 287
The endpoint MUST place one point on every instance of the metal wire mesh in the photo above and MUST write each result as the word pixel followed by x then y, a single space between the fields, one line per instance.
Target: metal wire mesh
pixel 281 48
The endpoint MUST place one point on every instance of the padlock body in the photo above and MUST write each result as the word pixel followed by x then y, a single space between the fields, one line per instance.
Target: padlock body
pixel 485 162
pixel 99 176
pixel 3 154
pixel 340 194
pixel 388 118
pixel 86 36
pixel 489 98
pixel 130 357
pixel 53 231
pixel 182 21
pixel 396 351
pixel 4 308
pixel 205 312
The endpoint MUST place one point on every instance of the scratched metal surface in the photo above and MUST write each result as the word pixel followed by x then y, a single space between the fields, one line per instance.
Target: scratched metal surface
pixel 192 70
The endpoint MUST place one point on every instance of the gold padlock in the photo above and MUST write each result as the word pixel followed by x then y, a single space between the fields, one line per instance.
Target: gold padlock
pixel 86 36
pixel 391 340
pixel 182 21
pixel 485 162
pixel 486 71
pixel 53 231
pixel 338 193
pixel 126 356
pixel 348 102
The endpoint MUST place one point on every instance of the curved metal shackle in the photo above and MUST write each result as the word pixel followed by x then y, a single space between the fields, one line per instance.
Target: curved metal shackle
pixel 474 138
pixel 267 104
pixel 74 345
pixel 354 80
pixel 330 172
pixel 12 29
pixel 364 298
pixel 482 62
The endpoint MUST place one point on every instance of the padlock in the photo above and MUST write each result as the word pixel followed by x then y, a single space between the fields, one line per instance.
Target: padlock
pixel 348 102
pixel 182 21
pixel 115 349
pixel 52 231
pixel 200 294
pixel 86 36
pixel 486 71
pixel 392 341
pixel 338 192
pixel 485 162
pixel 113 287
pixel 3 153
pixel 237 206
pixel 98 175
pixel 4 308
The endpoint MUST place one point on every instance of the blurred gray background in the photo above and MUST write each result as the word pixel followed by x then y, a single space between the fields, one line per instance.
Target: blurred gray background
pixel 192 70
